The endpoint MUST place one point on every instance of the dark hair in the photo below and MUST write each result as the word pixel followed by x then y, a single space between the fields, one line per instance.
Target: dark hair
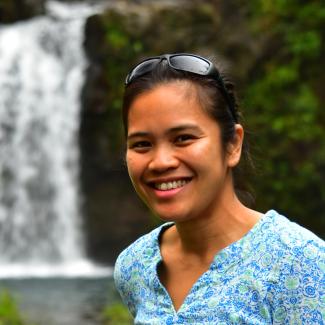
pixel 209 96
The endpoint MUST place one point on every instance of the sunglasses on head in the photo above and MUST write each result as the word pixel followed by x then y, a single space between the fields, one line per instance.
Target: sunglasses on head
pixel 188 63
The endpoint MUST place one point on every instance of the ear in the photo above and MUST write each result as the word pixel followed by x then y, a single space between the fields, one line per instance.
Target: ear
pixel 235 147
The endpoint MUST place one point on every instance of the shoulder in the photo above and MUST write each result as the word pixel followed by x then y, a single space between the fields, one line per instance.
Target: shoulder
pixel 139 249
pixel 293 253
pixel 138 256
pixel 132 268
pixel 299 266
pixel 291 237
pixel 301 250
pixel 293 244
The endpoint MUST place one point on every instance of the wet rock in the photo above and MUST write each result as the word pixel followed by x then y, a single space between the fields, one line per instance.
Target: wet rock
pixel 16 10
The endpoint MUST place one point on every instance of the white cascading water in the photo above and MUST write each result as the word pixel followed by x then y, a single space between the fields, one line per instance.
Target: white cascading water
pixel 41 75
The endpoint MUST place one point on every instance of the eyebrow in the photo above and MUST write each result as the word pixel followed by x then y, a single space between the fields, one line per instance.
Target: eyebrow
pixel 138 135
pixel 183 127
pixel 174 129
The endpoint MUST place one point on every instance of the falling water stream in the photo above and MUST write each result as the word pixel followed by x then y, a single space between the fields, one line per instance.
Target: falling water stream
pixel 41 75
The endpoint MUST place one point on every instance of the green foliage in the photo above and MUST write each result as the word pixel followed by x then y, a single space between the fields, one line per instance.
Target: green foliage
pixel 117 314
pixel 123 47
pixel 9 313
pixel 283 107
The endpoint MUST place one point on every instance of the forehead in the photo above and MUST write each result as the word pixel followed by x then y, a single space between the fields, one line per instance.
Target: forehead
pixel 167 104
pixel 183 90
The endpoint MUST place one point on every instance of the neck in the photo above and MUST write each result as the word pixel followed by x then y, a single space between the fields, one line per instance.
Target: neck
pixel 207 235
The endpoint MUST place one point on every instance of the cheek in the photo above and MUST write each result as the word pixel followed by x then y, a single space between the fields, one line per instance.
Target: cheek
pixel 130 164
pixel 134 168
pixel 206 152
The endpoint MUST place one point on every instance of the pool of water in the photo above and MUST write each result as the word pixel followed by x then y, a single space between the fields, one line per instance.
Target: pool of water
pixel 62 301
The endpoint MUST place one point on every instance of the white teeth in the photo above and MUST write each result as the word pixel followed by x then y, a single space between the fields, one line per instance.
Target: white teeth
pixel 170 185
pixel 163 186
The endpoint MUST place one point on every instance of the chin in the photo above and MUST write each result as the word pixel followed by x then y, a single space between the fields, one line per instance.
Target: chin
pixel 171 216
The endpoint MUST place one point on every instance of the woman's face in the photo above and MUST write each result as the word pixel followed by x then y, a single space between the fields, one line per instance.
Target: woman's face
pixel 174 153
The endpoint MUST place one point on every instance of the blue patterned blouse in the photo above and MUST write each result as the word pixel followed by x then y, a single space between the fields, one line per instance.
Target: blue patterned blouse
pixel 275 274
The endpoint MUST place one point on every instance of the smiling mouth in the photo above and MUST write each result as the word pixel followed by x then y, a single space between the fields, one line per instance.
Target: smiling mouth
pixel 166 186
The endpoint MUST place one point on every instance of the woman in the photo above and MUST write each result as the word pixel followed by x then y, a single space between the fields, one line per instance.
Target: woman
pixel 214 261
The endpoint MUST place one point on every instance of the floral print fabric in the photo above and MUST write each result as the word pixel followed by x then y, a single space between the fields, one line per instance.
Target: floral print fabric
pixel 275 274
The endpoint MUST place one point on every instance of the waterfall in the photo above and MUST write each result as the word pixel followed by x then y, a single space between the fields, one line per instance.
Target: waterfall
pixel 41 75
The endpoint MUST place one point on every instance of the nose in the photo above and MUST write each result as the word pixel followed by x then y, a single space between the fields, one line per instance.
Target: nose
pixel 163 158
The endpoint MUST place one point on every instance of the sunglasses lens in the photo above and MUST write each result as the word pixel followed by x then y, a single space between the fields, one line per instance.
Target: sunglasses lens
pixel 190 64
pixel 142 68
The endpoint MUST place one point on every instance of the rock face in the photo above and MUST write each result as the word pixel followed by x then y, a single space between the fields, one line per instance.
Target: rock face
pixel 112 211
pixel 15 10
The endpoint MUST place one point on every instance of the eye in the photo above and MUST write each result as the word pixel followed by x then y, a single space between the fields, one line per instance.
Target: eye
pixel 184 139
pixel 140 146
